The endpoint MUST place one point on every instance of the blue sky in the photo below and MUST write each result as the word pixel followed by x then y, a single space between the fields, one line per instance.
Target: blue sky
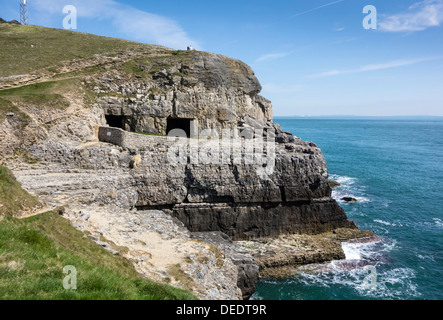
pixel 312 57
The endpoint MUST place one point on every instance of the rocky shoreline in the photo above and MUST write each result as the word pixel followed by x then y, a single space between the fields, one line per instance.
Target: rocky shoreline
pixel 279 257
pixel 211 226
pixel 209 264
pixel 212 265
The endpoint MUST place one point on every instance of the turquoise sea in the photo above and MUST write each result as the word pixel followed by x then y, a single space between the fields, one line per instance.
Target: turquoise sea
pixel 395 169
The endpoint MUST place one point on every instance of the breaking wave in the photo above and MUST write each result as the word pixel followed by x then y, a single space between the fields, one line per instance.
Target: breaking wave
pixel 366 272
pixel 349 187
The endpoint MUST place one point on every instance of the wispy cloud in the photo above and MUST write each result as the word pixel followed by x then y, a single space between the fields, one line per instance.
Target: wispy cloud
pixel 137 24
pixel 279 55
pixel 272 56
pixel 374 67
pixel 318 8
pixel 420 16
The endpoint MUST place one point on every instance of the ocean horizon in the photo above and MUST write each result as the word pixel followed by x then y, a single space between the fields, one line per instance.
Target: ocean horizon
pixel 353 117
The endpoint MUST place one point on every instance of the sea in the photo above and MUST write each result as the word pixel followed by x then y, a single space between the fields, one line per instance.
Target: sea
pixel 394 168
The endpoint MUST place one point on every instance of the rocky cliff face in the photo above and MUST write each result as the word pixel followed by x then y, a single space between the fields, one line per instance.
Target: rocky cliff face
pixel 282 190
pixel 231 196
pixel 216 91
pixel 236 199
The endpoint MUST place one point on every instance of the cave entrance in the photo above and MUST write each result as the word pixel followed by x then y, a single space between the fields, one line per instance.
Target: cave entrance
pixel 179 123
pixel 115 121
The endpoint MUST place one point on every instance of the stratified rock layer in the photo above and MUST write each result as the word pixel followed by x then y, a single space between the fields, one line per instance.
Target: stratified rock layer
pixel 283 191
pixel 217 91
pixel 254 221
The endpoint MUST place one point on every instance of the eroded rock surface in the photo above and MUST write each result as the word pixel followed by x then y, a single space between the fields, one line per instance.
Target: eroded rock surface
pixel 56 154
pixel 161 249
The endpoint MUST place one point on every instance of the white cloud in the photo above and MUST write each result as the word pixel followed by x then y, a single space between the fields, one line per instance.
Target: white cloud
pixel 275 56
pixel 418 17
pixel 327 74
pixel 148 27
pixel 317 8
pixel 375 67
pixel 272 56
pixel 134 23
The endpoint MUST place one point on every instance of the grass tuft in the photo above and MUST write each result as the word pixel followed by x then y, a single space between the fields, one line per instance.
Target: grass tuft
pixel 13 198
pixel 34 251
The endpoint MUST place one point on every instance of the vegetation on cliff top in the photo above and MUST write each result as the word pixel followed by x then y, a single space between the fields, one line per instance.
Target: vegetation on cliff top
pixel 26 48
pixel 39 65
pixel 42 94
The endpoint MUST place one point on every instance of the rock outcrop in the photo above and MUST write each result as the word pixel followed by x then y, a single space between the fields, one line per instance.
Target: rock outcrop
pixel 214 90
pixel 10 22
pixel 217 93
pixel 279 187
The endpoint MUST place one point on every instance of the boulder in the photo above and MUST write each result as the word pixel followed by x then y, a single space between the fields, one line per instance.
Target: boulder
pixel 349 199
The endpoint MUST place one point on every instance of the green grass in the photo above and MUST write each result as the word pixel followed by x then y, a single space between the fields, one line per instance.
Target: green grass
pixel 156 63
pixel 151 134
pixel 38 50
pixel 6 106
pixel 43 94
pixel 34 251
pixel 26 49
pixel 13 198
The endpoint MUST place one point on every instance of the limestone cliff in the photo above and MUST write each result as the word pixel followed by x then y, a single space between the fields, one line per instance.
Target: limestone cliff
pixel 228 196
pixel 152 92
pixel 214 90
pixel 217 92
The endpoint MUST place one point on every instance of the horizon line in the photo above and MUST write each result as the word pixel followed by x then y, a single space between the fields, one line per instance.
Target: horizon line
pixel 357 116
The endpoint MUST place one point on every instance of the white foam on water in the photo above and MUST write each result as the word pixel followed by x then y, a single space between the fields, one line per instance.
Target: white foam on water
pixel 343 180
pixel 438 222
pixel 365 270
pixel 426 257
pixel 368 281
pixel 383 222
pixel 396 283
pixel 388 246
pixel 352 250
pixel 367 251
pixel 362 199
pixel 348 188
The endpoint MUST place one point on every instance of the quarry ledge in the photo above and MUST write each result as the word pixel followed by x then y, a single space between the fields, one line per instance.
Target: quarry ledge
pixel 232 203
pixel 251 221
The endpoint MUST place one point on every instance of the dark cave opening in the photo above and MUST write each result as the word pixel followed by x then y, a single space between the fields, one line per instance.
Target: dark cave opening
pixel 115 121
pixel 179 123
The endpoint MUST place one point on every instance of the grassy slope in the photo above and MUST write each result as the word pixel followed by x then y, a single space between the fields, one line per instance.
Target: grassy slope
pixel 25 49
pixel 12 197
pixel 34 251
pixel 45 51
pixel 43 94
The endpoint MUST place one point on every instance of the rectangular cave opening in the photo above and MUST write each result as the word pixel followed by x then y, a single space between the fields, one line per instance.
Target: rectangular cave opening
pixel 179 123
pixel 115 121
